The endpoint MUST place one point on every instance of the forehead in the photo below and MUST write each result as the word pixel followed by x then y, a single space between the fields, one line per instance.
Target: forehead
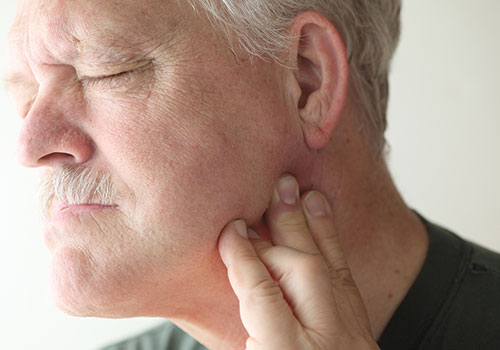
pixel 58 31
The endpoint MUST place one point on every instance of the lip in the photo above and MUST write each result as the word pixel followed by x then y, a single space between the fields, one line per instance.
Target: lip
pixel 65 211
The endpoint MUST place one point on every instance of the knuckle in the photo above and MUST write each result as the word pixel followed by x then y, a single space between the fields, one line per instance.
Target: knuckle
pixel 291 221
pixel 244 255
pixel 329 241
pixel 346 278
pixel 263 291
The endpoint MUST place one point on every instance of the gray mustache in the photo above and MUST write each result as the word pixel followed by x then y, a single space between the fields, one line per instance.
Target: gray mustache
pixel 76 185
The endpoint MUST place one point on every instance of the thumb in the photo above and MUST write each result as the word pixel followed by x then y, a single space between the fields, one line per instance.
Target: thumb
pixel 261 299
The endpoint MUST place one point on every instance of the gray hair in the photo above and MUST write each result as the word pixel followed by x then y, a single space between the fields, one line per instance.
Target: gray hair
pixel 370 30
pixel 76 185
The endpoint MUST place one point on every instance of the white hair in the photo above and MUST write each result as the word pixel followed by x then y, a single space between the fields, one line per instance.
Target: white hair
pixel 76 185
pixel 369 28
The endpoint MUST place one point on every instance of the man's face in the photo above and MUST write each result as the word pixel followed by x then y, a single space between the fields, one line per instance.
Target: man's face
pixel 190 136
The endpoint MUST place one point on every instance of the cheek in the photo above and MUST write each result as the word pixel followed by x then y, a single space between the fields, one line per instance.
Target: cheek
pixel 195 160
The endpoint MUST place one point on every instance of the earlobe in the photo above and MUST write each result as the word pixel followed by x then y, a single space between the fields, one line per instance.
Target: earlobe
pixel 322 76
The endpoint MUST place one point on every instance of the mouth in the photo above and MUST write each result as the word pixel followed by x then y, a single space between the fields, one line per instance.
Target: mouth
pixel 65 211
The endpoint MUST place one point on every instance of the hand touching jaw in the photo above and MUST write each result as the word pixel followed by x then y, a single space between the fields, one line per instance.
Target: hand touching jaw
pixel 295 290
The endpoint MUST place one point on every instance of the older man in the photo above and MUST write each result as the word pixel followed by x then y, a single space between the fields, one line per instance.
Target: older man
pixel 156 123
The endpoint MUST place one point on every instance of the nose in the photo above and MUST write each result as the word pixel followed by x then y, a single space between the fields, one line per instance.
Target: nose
pixel 50 135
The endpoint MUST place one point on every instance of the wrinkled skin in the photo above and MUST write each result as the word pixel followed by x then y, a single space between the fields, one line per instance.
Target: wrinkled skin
pixel 295 287
pixel 171 134
pixel 193 136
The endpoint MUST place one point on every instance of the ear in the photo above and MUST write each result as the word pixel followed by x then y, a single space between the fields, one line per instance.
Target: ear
pixel 320 79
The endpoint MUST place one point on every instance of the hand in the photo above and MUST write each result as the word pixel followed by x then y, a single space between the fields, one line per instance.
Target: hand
pixel 297 291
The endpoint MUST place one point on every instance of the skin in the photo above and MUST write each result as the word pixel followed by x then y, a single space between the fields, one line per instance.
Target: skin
pixel 195 137
pixel 298 276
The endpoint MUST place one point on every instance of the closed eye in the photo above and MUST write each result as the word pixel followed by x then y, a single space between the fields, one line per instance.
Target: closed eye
pixel 112 76
pixel 112 79
pixel 116 80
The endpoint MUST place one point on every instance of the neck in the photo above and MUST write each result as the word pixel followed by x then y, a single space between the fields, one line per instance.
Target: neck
pixel 212 316
pixel 383 240
pixel 385 245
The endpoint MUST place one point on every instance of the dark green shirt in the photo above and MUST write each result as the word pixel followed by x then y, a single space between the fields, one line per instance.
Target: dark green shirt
pixel 454 304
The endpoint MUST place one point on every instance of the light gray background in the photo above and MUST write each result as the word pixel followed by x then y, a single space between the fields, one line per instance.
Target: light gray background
pixel 444 130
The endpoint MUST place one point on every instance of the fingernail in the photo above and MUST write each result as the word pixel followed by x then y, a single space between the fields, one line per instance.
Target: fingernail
pixel 288 190
pixel 315 204
pixel 252 234
pixel 241 228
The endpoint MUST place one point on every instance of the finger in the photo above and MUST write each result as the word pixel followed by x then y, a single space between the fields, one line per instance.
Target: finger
pixel 285 218
pixel 320 221
pixel 322 229
pixel 304 280
pixel 261 299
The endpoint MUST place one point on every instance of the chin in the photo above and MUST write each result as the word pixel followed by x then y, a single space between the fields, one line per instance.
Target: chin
pixel 84 287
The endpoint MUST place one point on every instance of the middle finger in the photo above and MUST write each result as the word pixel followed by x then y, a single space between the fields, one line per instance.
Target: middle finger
pixel 285 218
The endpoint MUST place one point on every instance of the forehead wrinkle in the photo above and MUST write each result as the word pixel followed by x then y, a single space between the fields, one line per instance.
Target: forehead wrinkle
pixel 111 51
pixel 42 34
pixel 112 45
pixel 94 34
pixel 124 48
pixel 57 33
